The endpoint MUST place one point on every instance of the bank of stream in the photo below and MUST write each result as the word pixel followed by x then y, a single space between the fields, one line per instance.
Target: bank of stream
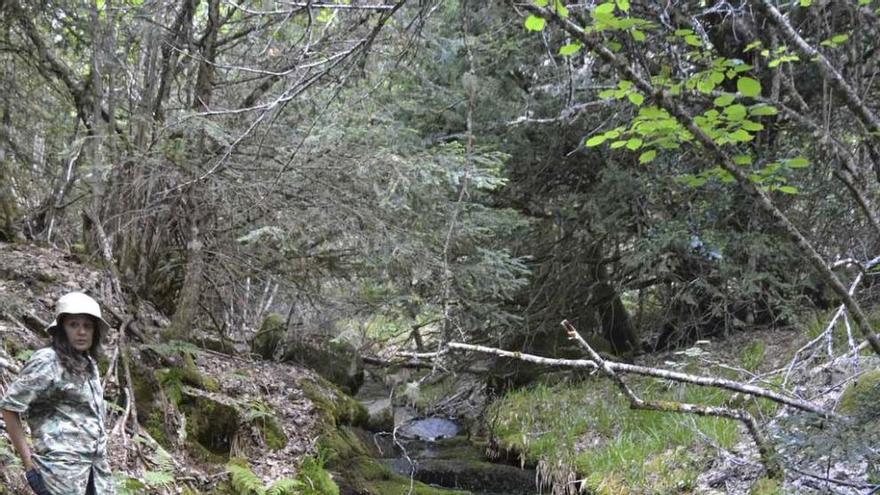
pixel 435 450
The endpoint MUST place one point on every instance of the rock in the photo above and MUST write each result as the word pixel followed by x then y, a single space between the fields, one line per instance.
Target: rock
pixel 429 429
pixel 335 361
pixel 381 415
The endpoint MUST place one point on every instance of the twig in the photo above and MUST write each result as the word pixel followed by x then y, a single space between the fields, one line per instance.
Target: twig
pixel 834 481
pixel 837 314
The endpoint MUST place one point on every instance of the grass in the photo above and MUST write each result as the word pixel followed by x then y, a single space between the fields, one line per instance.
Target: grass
pixel 589 427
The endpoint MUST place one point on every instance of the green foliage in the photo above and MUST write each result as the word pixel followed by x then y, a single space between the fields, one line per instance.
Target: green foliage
pixel 245 482
pixel 243 479
pixel 862 396
pixel 753 355
pixel 261 414
pixel 767 486
pixel 590 427
pixel 535 23
pixel 314 479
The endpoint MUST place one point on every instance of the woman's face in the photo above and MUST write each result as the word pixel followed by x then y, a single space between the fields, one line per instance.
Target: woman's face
pixel 80 330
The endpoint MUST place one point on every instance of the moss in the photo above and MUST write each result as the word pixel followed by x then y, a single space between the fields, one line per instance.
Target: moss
pixel 335 361
pixel 862 396
pixel 210 427
pixel 155 426
pixel 586 428
pixel 316 479
pixel 766 486
pixel 192 376
pixel 268 339
pixel 401 486
pixel 340 443
pixel 335 406
pixel 367 476
pixel 272 432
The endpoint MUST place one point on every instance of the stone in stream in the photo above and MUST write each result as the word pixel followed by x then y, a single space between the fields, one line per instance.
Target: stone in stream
pixel 429 429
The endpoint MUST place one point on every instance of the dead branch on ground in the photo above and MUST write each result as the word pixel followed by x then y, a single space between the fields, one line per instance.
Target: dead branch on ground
pixel 676 376
pixel 768 457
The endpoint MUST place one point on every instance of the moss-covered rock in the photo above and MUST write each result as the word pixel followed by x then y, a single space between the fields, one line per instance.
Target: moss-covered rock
pixel 336 407
pixel 335 361
pixel 210 428
pixel 862 396
pixel 269 337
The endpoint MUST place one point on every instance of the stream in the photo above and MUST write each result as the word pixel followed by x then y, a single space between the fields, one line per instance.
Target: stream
pixel 436 450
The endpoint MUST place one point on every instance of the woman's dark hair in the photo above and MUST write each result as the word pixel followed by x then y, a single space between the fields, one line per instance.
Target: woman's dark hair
pixel 72 361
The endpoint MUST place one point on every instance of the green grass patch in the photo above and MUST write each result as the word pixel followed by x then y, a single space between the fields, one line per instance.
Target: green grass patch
pixel 589 427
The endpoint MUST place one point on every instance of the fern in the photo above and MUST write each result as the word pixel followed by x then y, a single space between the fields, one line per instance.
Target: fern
pixel 285 486
pixel 244 481
pixel 158 478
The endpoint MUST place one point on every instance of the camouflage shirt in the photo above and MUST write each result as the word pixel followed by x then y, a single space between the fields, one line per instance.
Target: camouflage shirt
pixel 66 417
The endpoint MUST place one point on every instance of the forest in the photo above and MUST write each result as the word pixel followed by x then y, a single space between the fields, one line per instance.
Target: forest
pixel 428 247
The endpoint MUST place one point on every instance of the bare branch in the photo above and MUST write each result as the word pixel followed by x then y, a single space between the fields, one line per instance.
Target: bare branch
pixel 675 376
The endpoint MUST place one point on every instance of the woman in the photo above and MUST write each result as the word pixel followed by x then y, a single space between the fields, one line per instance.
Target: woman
pixel 60 393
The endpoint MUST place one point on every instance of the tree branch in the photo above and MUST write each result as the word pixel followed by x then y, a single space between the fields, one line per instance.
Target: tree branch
pixel 726 162
pixel 675 376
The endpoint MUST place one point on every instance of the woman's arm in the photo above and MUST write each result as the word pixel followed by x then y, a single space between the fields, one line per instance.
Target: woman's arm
pixel 16 434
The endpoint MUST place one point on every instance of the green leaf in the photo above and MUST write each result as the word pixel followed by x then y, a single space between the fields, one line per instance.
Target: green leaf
pixel 618 144
pixel 648 156
pixel 570 49
pixel 762 110
pixel 596 140
pixel 799 162
pixel 752 126
pixel 748 86
pixel 607 93
pixel 742 159
pixel 787 189
pixel 683 32
pixel 535 23
pixel 560 8
pixel 638 35
pixel 693 40
pixel 706 86
pixel 735 112
pixel 634 144
pixel 740 135
pixel 806 3
pixel 724 100
pixel 604 9
pixel 623 5
pixel 541 3
pixel 636 98
pixel 753 45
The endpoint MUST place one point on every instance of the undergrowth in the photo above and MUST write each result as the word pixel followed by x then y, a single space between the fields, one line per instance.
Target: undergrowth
pixel 588 427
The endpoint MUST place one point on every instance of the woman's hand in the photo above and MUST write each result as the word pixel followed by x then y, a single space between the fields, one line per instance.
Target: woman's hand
pixel 35 479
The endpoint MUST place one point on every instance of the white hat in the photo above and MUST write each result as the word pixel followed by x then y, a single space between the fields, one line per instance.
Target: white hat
pixel 77 303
